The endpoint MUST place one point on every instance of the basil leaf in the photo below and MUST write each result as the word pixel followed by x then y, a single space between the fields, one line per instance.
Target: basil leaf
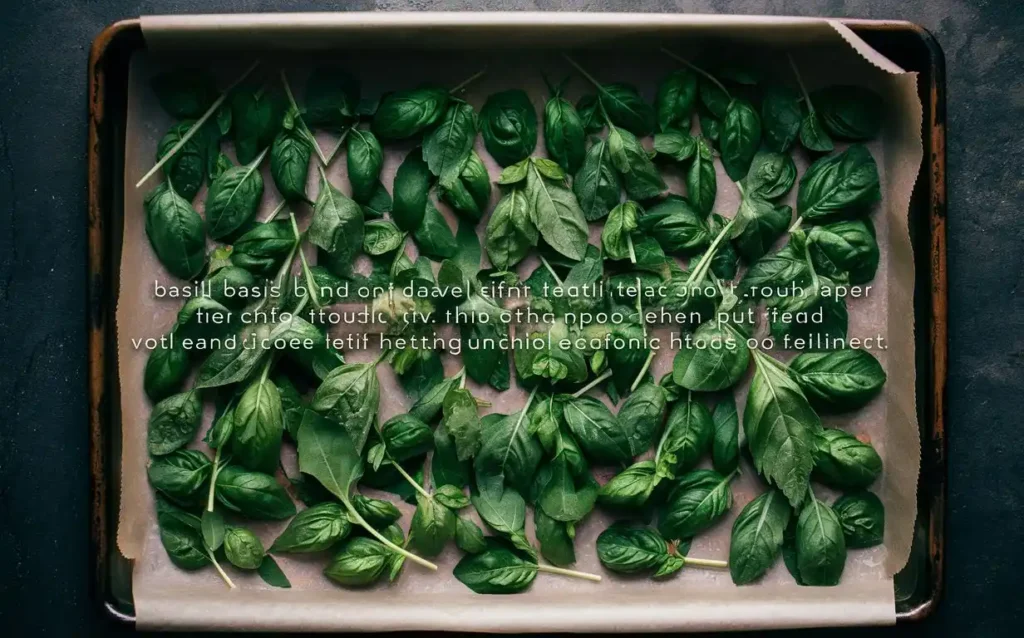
pixel 696 502
pixel 381 236
pixel 763 224
pixel 175 231
pixel 566 497
pixel 405 113
pixel 627 549
pixel 639 174
pixel 642 414
pixel 687 437
pixel 509 455
pixel 564 136
pixel 468 537
pixel 557 215
pixel 701 182
pixel 235 361
pixel 625 363
pixel 676 145
pixel 181 536
pixel 446 148
pixel 769 271
pixel 590 114
pixel 845 246
pixel 271 574
pixel 327 453
pixel 849 112
pixel 213 529
pixel 510 231
pixel 433 525
pixel 556 544
pixel 676 225
pixel 508 125
pixel 289 164
pixel 433 236
pixel 253 494
pixel 599 433
pixel 781 428
pixel 813 135
pixel 173 422
pixel 185 93
pixel 625 108
pixel 360 562
pixel 597 185
pixel 430 404
pixel 233 199
pixel 677 95
pixel 757 536
pixel 166 369
pixel 180 475
pixel 462 421
pixel 406 437
pixel 781 118
pixel 631 488
pixel 838 381
pixel 862 518
pixel 451 497
pixel 725 445
pixel 243 549
pixel 364 158
pixel 332 98
pixel 226 283
pixel 842 460
pixel 713 97
pixel 470 194
pixel 256 116
pixel 258 427
pixel 615 235
pixel 837 184
pixel 263 249
pixel 377 512
pixel 337 225
pixel 496 570
pixel 313 530
pixel 187 169
pixel 820 546
pixel 350 396
pixel 741 137
pixel 771 176
pixel 412 188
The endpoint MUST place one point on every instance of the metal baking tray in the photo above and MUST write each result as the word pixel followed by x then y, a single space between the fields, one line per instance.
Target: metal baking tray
pixel 918 586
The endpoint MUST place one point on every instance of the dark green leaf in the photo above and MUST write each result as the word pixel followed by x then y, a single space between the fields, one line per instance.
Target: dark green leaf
pixel 564 136
pixel 763 224
pixel 173 422
pixel 741 137
pixel 381 236
pixel 289 164
pixel 813 135
pixel 676 225
pixel 629 550
pixel 350 396
pixel 332 98
pixel 272 574
pixel 326 453
pixel 187 169
pixel 862 518
pixel 771 176
pixel 180 475
pixel 556 544
pixel 838 184
pixel 181 536
pixel 405 113
pixel 213 528
pixel 411 191
pixel 243 548
pixel 597 185
pixel 376 512
pixel 468 537
pixel 676 145
pixel 639 174
pixel 360 562
pixel 677 95
pixel 256 116
pixel 696 502
pixel 433 525
pixel 258 427
pixel 626 108
pixel 838 381
pixel 557 215
pixel 496 570
pixel 849 112
pixel 642 414
pixel 434 237
pixel 701 182
pixel 337 225
pixel 509 454
pixel 757 536
pixel 508 125
pixel 446 148
pixel 844 461
pixel 599 433
pixel 615 234
pixel 845 246
pixel 470 194
pixel 820 546
pixel 510 231
pixel 166 370
pixel 462 422
pixel 313 530
pixel 630 489
pixel 175 231
pixel 780 117
pixel 253 494
pixel 364 158
pixel 725 441
pixel 405 437
pixel 687 437
pixel 185 93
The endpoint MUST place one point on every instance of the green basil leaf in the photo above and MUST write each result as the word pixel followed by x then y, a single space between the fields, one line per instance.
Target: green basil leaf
pixel 713 97
pixel 515 173
pixel 469 195
pixel 496 570
pixel 213 529
pixel 640 176
pixel 625 108
pixel 820 546
pixel 862 517
pixel 597 185
pixel 757 536
pixel 406 437
pixel 504 513
pixel 771 176
pixel 845 246
pixel 433 525
pixel 337 225
pixel 676 225
pixel 185 93
pixel 838 184
pixel 446 148
pixel 175 231
pixel 599 433
pixel 615 235
pixel 625 363
pixel 256 116
pixel 677 145
pixel 233 199
pixel 626 549
pixel 173 422
pixel 462 421
pixel 289 164
pixel 724 262
pixel 838 381
pixel 781 117
pixel 411 191
pixel 508 125
pixel 710 127
pixel 509 455
pixel 236 360
pixel 510 231
pixel 272 574
pixel 763 224
pixel 557 215
pixel 430 404
pixel 469 537
pixel 381 236
pixel 566 497
pixel 263 249
pixel 451 497
pixel 180 475
pixel 781 428
pixel 631 488
pixel 564 136
pixel 166 370
pixel 696 502
pixel 677 95
pixel 642 414
pixel 701 182
pixel 590 114
pixel 553 537
pixel 842 460
pixel 364 158
pixel 243 548
pixel 849 112
pixel 181 536
pixel 468 252
pixel 687 437
pixel 405 113
pixel 434 237
pixel 725 444
pixel 187 169
pixel 350 396
pixel 258 427
pixel 253 494
pixel 326 453
pixel 227 282
pixel 813 135
pixel 377 512
pixel 360 562
pixel 740 139
pixel 773 270
pixel 332 98
pixel 313 530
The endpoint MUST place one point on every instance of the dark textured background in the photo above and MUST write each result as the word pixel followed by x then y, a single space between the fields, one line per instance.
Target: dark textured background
pixel 44 549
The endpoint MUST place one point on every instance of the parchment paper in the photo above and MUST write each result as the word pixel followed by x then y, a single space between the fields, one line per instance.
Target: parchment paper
pixel 389 51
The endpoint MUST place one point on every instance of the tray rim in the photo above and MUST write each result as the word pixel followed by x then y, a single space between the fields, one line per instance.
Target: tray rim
pixel 103 523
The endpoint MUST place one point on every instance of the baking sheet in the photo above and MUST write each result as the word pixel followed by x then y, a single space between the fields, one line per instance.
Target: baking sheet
pixel 696 599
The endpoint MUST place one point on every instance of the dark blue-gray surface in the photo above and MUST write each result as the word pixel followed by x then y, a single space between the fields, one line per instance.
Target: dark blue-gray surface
pixel 44 570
